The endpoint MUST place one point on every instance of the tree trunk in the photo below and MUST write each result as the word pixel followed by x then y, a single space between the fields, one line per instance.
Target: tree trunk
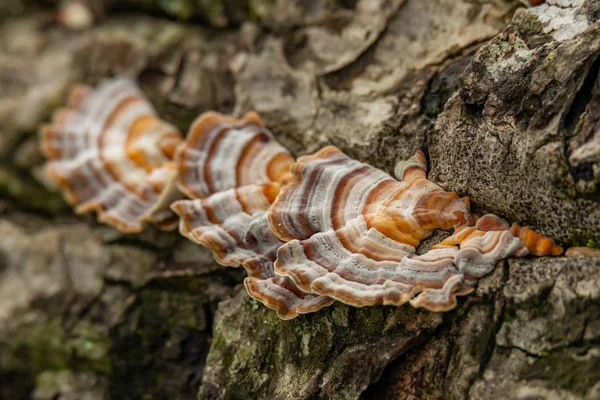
pixel 504 99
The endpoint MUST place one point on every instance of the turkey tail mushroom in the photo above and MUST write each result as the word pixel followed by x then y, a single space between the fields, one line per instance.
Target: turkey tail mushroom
pixel 323 228
pixel 537 244
pixel 233 170
pixel 351 232
pixel 110 153
pixel 222 153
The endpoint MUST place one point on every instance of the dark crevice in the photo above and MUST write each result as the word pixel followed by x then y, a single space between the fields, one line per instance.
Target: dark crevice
pixel 580 343
pixel 474 110
pixel 443 85
pixel 342 78
pixel 445 332
pixel 583 171
pixel 153 349
pixel 527 353
pixel 591 9
pixel 378 388
pixel 134 239
pixel 16 384
pixel 582 98
pixel 585 101
pixel 489 351
pixel 197 18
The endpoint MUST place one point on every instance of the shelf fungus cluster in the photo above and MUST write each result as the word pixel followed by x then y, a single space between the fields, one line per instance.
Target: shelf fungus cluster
pixel 110 153
pixel 308 232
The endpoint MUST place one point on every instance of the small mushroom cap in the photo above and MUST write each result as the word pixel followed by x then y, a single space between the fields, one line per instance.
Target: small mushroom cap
pixel 110 153
pixel 537 244
pixel 234 225
pixel 417 164
pixel 492 222
pixel 222 153
pixel 282 295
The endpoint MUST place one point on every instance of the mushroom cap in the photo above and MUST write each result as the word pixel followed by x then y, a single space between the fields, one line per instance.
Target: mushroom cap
pixel 110 153
pixel 222 153
pixel 233 171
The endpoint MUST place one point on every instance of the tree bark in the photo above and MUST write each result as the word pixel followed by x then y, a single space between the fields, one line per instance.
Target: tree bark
pixel 503 99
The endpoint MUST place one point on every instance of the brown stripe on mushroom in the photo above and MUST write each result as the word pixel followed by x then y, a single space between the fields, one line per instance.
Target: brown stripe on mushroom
pixel 110 153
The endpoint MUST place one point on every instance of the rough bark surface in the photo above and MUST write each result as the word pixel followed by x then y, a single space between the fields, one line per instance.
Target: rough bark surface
pixel 503 99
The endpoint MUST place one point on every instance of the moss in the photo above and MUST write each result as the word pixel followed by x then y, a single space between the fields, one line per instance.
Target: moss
pixel 37 347
pixel 566 196
pixel 214 11
pixel 46 345
pixel 218 13
pixel 89 345
pixel 584 238
pixel 549 60
pixel 161 343
pixel 565 369
pixel 15 8
pixel 28 193
pixel 255 8
pixel 182 9
pixel 174 302
pixel 531 29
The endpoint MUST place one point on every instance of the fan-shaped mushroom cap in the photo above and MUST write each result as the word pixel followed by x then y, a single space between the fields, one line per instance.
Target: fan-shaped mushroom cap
pixel 221 221
pixel 533 242
pixel 110 153
pixel 222 153
pixel 233 224
pixel 234 170
pixel 537 244
pixel 276 292
pixel 331 189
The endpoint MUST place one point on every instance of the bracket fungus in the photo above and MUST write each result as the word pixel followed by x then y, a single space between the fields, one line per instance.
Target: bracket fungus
pixel 351 231
pixel 308 232
pixel 233 171
pixel 328 227
pixel 110 153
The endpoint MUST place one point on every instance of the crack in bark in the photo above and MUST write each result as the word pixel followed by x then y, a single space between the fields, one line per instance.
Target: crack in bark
pixel 498 298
